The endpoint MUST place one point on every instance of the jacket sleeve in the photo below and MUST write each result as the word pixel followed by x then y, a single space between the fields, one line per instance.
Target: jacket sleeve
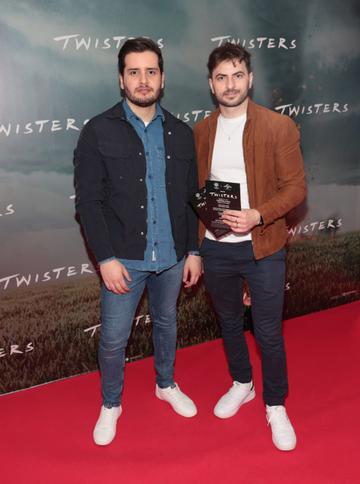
pixel 90 180
pixel 193 186
pixel 289 166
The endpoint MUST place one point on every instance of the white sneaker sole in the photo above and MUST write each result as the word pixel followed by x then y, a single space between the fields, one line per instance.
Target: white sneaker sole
pixel 284 448
pixel 250 397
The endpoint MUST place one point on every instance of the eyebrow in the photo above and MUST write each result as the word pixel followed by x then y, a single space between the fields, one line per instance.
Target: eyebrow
pixel 234 74
pixel 138 68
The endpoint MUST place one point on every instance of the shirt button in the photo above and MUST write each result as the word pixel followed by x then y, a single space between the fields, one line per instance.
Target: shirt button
pixel 169 132
pixel 154 221
pixel 140 179
pixel 141 206
pixel 168 157
pixel 147 153
pixel 140 154
pixel 141 233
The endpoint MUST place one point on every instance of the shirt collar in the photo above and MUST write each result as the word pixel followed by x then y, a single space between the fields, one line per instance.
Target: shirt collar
pixel 131 115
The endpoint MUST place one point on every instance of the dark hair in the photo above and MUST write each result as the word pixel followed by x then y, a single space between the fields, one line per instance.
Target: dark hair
pixel 228 52
pixel 139 44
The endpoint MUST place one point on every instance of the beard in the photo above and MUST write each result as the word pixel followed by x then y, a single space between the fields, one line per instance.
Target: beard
pixel 237 101
pixel 143 102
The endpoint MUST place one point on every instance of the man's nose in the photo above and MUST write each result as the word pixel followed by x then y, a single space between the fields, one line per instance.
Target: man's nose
pixel 230 84
pixel 143 77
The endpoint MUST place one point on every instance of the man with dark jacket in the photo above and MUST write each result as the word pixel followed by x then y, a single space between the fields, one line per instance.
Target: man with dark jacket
pixel 248 144
pixel 135 172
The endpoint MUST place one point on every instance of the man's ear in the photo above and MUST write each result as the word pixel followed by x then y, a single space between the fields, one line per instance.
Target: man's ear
pixel 121 81
pixel 211 86
pixel 251 79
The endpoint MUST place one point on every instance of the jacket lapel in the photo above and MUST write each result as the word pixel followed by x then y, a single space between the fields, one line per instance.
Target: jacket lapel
pixel 212 123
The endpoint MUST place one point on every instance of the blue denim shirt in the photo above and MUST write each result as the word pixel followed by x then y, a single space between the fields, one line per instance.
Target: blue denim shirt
pixel 160 251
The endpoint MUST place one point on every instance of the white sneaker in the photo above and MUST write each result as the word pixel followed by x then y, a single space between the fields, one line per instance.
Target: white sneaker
pixel 283 433
pixel 230 403
pixel 180 402
pixel 105 428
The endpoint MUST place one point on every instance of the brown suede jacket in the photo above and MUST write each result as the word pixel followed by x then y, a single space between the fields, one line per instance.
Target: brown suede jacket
pixel 274 170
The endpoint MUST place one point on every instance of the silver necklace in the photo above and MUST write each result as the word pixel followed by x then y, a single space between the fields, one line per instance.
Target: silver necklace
pixel 230 133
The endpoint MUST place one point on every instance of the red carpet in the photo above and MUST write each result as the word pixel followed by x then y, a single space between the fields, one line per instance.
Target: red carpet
pixel 45 432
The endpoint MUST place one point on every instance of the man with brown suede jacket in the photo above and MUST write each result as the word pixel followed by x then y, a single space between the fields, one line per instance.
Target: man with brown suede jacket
pixel 246 143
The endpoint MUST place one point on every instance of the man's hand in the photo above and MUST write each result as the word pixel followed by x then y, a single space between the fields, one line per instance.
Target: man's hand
pixel 192 270
pixel 241 221
pixel 115 275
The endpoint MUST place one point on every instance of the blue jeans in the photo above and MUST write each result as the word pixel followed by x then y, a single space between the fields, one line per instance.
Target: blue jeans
pixel 226 265
pixel 117 314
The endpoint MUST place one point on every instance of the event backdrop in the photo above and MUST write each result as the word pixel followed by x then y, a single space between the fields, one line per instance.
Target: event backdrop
pixel 58 69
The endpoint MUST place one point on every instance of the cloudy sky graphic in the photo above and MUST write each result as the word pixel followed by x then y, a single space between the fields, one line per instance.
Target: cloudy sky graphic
pixel 42 79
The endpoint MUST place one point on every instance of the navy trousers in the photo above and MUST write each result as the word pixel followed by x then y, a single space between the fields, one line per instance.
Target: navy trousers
pixel 226 265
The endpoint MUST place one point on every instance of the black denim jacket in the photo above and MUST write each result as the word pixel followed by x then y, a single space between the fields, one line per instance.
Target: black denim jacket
pixel 110 169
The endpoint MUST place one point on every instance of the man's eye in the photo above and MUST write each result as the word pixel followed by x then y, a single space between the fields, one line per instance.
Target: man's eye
pixel 152 72
pixel 220 78
pixel 132 73
pixel 238 76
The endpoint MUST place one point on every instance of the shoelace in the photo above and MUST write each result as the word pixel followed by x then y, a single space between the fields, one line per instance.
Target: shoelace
pixel 280 413
pixel 175 394
pixel 107 417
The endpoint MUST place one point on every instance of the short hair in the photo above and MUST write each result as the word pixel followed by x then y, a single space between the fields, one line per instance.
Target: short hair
pixel 139 44
pixel 228 52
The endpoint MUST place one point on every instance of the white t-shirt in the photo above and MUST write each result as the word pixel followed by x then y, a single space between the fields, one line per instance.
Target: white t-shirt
pixel 228 164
